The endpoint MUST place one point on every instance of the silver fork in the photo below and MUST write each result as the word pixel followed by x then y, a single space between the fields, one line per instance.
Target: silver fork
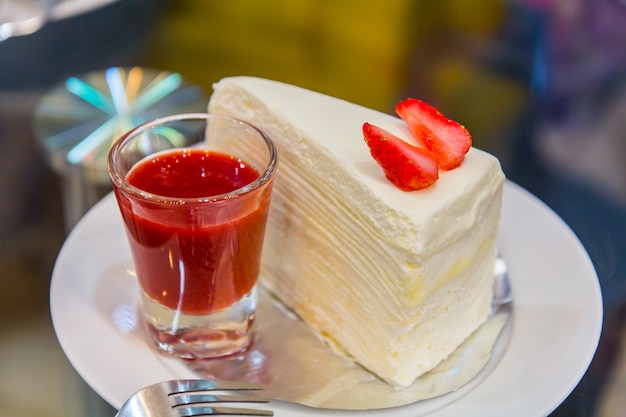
pixel 193 397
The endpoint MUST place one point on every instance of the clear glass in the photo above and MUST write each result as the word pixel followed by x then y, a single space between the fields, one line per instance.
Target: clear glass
pixel 196 254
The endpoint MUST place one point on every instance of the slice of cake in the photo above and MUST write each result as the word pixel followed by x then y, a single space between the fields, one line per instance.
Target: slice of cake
pixel 395 280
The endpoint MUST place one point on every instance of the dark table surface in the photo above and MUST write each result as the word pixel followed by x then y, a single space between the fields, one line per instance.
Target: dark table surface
pixel 541 84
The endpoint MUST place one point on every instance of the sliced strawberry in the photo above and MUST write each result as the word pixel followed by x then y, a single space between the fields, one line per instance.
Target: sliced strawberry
pixel 446 138
pixel 406 166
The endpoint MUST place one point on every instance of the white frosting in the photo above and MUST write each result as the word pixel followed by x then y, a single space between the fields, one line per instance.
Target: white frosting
pixel 395 279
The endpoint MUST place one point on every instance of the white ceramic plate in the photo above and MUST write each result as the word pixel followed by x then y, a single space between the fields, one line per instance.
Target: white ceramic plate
pixel 556 322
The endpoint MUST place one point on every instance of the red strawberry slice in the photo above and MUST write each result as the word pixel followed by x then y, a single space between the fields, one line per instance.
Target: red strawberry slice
pixel 447 139
pixel 406 166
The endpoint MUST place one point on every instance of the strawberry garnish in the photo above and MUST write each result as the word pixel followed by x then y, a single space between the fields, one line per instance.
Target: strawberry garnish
pixel 406 166
pixel 447 139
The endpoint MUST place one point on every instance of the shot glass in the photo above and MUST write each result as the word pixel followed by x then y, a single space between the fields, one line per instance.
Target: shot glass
pixel 194 191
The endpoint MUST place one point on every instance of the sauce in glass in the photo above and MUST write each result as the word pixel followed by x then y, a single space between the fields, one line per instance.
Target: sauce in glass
pixel 206 264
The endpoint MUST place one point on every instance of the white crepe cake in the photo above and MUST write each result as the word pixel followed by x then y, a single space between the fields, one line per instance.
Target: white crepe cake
pixel 394 280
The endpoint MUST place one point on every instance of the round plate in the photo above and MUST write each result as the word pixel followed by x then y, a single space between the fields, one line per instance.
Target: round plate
pixel 556 325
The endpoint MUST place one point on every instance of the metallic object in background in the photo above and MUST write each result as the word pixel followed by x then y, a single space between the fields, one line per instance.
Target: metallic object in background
pixel 21 17
pixel 78 120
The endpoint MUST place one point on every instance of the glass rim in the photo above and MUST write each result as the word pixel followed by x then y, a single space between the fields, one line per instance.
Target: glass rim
pixel 122 183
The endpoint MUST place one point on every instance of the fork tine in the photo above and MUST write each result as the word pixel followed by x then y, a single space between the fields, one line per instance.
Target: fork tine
pixel 172 399
pixel 188 399
pixel 222 411
pixel 186 404
pixel 191 385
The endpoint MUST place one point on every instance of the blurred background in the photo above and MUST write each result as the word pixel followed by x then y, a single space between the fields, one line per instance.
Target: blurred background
pixel 539 83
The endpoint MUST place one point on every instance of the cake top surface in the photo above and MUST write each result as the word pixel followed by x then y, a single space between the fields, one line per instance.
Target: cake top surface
pixel 334 127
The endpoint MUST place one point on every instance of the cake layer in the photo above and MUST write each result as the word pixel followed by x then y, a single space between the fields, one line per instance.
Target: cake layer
pixel 395 280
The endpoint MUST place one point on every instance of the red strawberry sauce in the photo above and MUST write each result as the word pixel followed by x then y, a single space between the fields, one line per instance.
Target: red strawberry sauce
pixel 187 258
